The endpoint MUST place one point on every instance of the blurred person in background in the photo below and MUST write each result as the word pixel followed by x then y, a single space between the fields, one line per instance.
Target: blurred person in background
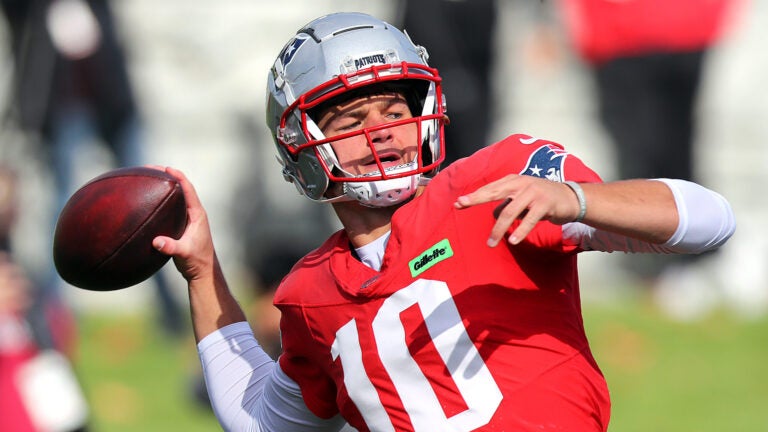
pixel 71 89
pixel 461 36
pixel 647 58
pixel 38 387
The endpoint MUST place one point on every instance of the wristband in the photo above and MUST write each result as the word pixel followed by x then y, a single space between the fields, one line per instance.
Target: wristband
pixel 576 188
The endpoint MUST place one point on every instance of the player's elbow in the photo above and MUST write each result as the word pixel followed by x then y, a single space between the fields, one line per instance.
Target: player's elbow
pixel 708 231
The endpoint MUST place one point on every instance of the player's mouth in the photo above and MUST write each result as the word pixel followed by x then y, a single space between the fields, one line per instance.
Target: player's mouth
pixel 387 159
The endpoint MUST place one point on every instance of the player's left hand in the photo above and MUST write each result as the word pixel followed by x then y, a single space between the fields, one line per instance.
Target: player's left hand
pixel 530 199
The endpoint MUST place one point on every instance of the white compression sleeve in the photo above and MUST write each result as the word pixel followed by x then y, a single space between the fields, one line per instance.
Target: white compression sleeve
pixel 706 218
pixel 249 391
pixel 696 233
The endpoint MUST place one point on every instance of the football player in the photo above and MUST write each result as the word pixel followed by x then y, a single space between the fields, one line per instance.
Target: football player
pixel 450 299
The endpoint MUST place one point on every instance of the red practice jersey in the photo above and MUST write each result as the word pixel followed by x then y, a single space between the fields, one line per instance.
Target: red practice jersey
pixel 450 334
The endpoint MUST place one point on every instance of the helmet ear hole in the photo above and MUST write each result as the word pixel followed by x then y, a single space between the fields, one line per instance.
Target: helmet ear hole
pixel 310 175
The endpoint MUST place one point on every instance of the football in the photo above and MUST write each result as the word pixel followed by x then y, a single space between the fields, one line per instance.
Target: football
pixel 103 237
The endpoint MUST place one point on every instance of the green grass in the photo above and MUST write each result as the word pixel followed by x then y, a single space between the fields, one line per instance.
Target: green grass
pixel 137 379
pixel 663 375
pixel 670 376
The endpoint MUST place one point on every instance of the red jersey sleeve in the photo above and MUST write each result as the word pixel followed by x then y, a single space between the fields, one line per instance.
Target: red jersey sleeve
pixel 526 155
pixel 304 352
pixel 298 362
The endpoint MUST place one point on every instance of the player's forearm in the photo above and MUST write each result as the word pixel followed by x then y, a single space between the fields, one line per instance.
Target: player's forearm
pixel 705 222
pixel 212 304
pixel 642 209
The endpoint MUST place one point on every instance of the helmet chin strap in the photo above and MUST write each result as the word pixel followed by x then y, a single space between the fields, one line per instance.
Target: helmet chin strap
pixel 384 193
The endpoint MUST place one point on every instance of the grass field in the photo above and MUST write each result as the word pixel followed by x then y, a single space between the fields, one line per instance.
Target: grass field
pixel 708 376
pixel 670 376
pixel 137 379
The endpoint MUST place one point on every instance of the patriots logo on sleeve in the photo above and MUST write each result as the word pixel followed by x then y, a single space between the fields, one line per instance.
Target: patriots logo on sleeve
pixel 546 162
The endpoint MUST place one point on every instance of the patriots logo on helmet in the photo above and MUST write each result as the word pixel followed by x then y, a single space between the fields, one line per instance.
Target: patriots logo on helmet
pixel 546 162
pixel 290 50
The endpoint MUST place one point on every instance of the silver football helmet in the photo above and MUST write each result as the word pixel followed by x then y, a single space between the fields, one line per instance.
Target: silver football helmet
pixel 333 56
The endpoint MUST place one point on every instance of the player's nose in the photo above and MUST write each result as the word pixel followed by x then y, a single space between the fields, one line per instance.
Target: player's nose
pixel 379 131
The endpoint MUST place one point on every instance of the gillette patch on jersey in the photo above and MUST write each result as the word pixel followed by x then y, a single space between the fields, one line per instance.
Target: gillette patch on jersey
pixel 546 162
pixel 439 252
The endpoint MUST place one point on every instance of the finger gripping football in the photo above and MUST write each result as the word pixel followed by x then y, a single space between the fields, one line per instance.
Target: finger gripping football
pixel 103 237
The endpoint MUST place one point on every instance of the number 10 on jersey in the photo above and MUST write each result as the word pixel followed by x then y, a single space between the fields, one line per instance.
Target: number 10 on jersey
pixel 449 336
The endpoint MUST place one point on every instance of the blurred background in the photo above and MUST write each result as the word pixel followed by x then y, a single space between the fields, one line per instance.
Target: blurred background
pixel 181 83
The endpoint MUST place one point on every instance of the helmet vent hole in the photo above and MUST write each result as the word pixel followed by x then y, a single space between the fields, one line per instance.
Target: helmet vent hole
pixel 349 29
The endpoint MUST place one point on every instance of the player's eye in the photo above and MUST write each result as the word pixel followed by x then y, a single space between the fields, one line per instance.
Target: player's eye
pixel 347 125
pixel 397 110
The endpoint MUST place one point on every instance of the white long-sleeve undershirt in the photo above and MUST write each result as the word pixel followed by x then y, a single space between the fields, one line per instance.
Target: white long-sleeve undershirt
pixel 249 391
